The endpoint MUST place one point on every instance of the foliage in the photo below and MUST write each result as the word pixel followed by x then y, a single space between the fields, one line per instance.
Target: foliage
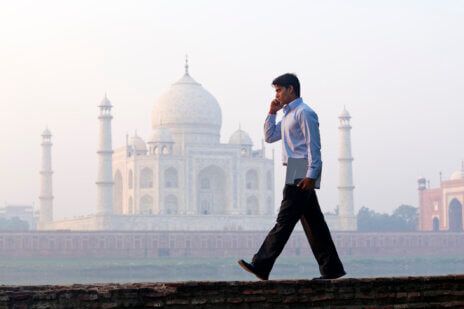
pixel 13 224
pixel 403 219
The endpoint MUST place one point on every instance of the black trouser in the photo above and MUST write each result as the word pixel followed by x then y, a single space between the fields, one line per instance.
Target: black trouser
pixel 299 205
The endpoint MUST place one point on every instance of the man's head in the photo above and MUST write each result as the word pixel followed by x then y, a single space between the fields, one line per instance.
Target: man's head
pixel 287 88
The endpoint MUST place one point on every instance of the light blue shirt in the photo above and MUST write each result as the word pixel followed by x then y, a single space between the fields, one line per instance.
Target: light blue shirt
pixel 299 130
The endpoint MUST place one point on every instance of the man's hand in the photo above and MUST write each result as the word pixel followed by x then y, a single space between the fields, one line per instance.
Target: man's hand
pixel 275 107
pixel 307 184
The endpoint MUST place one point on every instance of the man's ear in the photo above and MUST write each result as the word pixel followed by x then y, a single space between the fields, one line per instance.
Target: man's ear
pixel 291 90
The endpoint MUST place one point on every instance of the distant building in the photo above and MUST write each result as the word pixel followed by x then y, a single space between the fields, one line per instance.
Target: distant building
pixel 440 209
pixel 22 212
pixel 183 177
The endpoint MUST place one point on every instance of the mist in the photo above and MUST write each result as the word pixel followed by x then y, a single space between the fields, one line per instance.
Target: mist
pixel 396 66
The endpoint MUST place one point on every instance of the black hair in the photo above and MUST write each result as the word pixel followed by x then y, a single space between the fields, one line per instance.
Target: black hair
pixel 286 80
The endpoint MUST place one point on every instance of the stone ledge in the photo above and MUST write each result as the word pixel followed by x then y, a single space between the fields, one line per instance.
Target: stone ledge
pixel 398 292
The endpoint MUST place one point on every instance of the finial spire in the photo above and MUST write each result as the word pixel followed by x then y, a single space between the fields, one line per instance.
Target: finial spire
pixel 186 65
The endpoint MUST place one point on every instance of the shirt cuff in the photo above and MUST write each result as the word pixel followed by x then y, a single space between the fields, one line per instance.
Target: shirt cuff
pixel 312 173
pixel 271 116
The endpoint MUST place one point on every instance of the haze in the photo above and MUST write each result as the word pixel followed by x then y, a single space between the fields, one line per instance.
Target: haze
pixel 397 66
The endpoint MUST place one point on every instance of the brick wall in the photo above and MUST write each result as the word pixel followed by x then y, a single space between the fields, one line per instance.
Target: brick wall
pixel 407 292
pixel 216 244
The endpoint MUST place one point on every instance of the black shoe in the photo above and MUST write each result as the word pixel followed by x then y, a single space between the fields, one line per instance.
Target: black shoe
pixel 252 269
pixel 331 276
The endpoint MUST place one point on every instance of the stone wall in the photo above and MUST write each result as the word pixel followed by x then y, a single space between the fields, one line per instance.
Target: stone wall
pixel 408 292
pixel 217 244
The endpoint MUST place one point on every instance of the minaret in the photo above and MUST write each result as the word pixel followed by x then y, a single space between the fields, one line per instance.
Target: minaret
pixel 421 186
pixel 105 153
pixel 46 188
pixel 346 187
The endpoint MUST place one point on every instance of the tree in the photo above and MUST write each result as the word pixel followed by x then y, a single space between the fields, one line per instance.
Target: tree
pixel 13 224
pixel 409 215
pixel 403 219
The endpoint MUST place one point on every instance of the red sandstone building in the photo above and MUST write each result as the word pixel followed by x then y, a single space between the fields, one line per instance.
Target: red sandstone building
pixel 440 209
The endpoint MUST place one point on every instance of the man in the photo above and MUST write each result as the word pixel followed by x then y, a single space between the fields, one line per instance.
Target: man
pixel 299 131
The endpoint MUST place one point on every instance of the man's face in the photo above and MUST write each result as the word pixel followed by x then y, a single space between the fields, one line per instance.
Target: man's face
pixel 284 95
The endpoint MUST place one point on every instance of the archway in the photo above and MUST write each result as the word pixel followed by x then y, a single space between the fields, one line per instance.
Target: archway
pixel 269 180
pixel 170 178
pixel 170 205
pixel 436 224
pixel 252 206
pixel 130 179
pixel 270 206
pixel 146 205
pixel 130 206
pixel 117 193
pixel 252 180
pixel 212 191
pixel 455 216
pixel 146 178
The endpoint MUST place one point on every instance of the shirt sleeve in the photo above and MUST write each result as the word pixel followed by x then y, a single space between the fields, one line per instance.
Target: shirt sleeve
pixel 309 124
pixel 272 131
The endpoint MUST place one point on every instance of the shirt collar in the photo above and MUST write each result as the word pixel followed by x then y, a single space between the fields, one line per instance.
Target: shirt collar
pixel 290 106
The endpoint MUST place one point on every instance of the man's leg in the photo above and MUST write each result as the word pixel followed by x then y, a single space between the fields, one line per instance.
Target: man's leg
pixel 289 214
pixel 319 238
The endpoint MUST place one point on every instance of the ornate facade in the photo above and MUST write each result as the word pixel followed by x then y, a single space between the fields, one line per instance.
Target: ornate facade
pixel 183 169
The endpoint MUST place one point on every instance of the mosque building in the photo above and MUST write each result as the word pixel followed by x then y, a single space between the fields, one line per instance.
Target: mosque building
pixel 182 177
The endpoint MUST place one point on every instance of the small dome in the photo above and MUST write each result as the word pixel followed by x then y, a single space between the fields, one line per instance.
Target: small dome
pixel 105 102
pixel 344 114
pixel 161 135
pixel 240 137
pixel 46 132
pixel 138 143
pixel 459 174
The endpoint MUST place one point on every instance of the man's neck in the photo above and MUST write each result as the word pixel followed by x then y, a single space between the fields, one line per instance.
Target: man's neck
pixel 291 100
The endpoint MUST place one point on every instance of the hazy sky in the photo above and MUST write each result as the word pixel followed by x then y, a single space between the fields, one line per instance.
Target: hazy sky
pixel 398 67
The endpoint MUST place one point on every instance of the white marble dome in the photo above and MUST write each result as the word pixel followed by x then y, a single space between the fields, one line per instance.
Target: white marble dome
pixel 240 137
pixel 161 135
pixel 459 174
pixel 138 143
pixel 185 104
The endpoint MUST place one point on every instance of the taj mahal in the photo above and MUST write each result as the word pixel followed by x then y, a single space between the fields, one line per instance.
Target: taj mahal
pixel 182 177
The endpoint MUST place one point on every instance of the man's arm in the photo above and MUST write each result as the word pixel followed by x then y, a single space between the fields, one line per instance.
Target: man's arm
pixel 309 125
pixel 272 131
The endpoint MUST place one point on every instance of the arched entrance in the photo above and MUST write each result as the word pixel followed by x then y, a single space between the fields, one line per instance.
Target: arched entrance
pixel 252 206
pixel 117 193
pixel 146 205
pixel 455 216
pixel 436 224
pixel 170 205
pixel 212 191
